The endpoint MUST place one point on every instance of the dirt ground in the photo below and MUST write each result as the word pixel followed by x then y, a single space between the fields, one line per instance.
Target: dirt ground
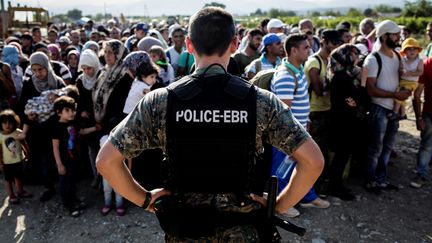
pixel 395 216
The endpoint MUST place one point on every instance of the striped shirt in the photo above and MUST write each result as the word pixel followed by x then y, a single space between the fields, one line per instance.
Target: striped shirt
pixel 283 85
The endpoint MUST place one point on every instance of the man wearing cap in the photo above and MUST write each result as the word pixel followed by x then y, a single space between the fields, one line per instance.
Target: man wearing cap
pixel 319 86
pixel 275 26
pixel 250 53
pixel 382 87
pixel 141 30
pixel 271 48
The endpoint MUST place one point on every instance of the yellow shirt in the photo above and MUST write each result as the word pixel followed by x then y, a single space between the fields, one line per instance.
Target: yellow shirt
pixel 11 148
pixel 318 103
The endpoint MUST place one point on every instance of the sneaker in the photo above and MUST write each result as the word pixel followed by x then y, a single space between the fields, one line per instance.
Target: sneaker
pixel 291 213
pixel 74 213
pixel 121 211
pixel 47 195
pixel 418 182
pixel 387 186
pixel 317 203
pixel 393 116
pixel 105 210
pixel 373 187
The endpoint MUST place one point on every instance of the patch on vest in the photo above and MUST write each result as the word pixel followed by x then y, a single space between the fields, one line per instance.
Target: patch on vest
pixel 212 116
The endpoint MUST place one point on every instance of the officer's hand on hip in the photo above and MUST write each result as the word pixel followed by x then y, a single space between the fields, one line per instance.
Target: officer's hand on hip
pixel 155 194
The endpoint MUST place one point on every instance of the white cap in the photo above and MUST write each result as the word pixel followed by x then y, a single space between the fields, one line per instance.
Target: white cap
pixel 275 23
pixel 362 48
pixel 387 26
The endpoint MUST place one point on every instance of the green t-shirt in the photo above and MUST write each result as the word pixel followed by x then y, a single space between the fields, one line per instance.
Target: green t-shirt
pixel 318 103
pixel 184 58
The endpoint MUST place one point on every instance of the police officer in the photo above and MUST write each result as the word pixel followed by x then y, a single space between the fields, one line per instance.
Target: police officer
pixel 212 127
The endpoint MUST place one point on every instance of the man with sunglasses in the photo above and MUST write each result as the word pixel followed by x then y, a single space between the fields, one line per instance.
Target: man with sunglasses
pixel 382 86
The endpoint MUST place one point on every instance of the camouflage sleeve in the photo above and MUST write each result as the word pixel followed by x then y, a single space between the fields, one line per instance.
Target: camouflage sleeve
pixel 144 127
pixel 279 127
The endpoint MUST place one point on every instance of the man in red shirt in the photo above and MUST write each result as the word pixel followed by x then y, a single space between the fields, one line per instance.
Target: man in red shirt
pixel 424 124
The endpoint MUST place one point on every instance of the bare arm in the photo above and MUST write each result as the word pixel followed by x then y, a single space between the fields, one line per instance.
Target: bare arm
pixel 310 164
pixel 110 165
pixel 417 106
pixel 315 82
pixel 374 91
pixel 56 151
pixel 287 102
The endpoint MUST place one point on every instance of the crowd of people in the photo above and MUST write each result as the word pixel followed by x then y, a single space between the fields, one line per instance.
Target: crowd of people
pixel 61 95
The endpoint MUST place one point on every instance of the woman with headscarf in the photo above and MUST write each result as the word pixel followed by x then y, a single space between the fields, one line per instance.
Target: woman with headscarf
pixel 40 144
pixel 156 34
pixel 92 45
pixel 91 70
pixel 347 114
pixel 55 52
pixel 10 55
pixel 23 59
pixel 72 60
pixel 110 93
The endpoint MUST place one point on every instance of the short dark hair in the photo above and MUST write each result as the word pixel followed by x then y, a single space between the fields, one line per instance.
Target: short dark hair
pixel 64 102
pixel 146 69
pixel 9 115
pixel 342 31
pixel 211 31
pixel 255 32
pixel 264 23
pixel 294 40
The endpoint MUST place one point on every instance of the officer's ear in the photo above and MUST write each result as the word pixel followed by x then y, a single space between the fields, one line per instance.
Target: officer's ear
pixel 233 45
pixel 189 46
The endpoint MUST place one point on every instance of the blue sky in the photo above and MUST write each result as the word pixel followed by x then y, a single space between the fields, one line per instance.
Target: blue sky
pixel 170 7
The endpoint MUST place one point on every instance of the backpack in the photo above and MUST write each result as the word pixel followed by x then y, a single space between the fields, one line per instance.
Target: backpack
pixel 319 73
pixel 263 78
pixel 379 61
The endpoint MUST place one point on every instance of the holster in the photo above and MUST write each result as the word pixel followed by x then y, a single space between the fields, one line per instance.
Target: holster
pixel 185 221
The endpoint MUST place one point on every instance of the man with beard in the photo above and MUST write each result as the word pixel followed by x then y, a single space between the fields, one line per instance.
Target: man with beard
pixel 271 49
pixel 382 82
pixel 250 53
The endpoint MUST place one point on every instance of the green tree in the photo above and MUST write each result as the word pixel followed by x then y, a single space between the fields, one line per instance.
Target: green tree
pixel 332 13
pixel 315 14
pixel 74 14
pixel 419 8
pixel 258 12
pixel 383 8
pixel 368 12
pixel 353 12
pixel 215 4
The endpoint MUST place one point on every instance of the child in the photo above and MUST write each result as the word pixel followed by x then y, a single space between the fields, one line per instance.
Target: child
pixel 146 75
pixel 158 56
pixel 108 190
pixel 412 68
pixel 64 142
pixel 11 159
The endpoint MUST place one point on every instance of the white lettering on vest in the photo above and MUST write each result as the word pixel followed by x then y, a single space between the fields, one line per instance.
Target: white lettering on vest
pixel 212 116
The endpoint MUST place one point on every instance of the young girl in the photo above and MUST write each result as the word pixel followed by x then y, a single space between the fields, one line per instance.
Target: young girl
pixel 11 159
pixel 144 72
pixel 411 71
pixel 158 56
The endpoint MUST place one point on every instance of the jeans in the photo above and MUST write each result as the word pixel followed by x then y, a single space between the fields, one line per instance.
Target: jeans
pixel 283 167
pixel 108 190
pixel 383 136
pixel 425 150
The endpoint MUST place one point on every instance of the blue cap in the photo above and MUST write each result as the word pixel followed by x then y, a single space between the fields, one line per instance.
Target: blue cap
pixel 268 40
pixel 142 26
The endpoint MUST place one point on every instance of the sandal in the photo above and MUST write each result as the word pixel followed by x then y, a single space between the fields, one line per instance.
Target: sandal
pixel 105 210
pixel 25 194
pixel 121 211
pixel 13 200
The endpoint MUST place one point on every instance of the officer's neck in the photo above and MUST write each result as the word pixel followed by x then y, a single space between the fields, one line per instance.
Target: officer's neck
pixel 205 61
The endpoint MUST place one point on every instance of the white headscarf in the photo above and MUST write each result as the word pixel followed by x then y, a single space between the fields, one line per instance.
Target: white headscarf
pixel 89 58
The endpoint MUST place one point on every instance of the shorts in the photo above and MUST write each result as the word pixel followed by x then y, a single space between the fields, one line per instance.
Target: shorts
pixel 407 85
pixel 12 171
